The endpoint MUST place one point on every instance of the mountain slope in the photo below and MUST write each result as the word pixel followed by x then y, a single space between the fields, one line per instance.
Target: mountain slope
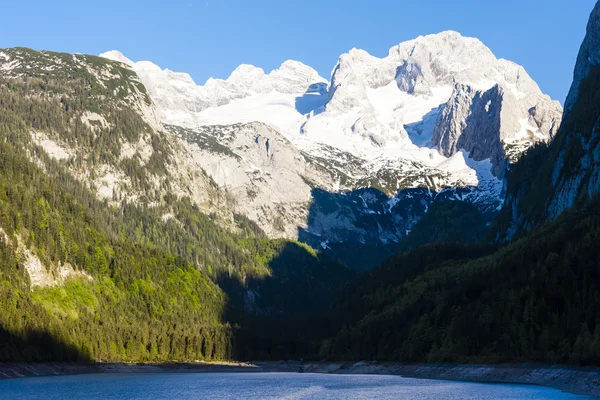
pixel 262 172
pixel 103 128
pixel 139 274
pixel 68 275
pixel 439 113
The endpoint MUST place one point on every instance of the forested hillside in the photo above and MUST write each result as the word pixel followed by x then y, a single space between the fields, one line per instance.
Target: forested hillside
pixel 131 301
pixel 131 276
pixel 447 221
pixel 534 300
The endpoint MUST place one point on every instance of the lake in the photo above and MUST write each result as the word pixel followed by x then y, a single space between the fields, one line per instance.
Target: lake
pixel 261 386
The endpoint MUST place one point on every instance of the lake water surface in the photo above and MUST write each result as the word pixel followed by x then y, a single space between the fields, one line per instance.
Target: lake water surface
pixel 261 386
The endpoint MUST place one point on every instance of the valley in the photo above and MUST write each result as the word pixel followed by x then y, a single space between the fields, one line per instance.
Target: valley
pixel 432 206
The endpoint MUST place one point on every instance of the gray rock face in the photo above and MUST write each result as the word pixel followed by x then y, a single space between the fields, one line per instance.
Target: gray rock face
pixel 481 122
pixel 589 56
pixel 547 119
pixel 410 79
pixel 265 176
pixel 472 121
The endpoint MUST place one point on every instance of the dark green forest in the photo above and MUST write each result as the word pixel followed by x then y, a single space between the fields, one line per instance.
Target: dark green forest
pixel 447 221
pixel 536 299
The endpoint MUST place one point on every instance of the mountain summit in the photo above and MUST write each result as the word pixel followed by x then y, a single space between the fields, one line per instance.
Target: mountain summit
pixel 177 93
pixel 437 88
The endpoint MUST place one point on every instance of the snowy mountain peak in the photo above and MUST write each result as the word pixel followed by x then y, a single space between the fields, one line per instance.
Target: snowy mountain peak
pixel 449 57
pixel 443 41
pixel 150 67
pixel 245 71
pixel 289 70
pixel 178 97
pixel 116 55
pixel 293 65
pixel 396 100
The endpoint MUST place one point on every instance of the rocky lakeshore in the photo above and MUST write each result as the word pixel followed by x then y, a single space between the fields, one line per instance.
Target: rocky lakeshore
pixel 577 380
pixel 583 381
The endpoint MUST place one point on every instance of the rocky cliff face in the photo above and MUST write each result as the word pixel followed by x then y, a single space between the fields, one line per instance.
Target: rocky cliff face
pixel 488 124
pixel 471 120
pixel 588 58
pixel 263 173
pixel 553 179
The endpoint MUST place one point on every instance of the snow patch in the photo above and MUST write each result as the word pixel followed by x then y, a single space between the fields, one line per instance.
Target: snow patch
pixel 117 56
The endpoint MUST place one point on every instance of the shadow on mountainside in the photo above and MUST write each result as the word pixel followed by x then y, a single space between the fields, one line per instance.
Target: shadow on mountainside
pixel 287 313
pixel 420 132
pixel 37 346
pixel 310 102
pixel 314 99
pixel 284 314
pixel 364 227
pixel 300 282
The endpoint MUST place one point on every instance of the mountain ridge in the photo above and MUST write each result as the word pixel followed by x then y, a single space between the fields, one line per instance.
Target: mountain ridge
pixel 124 237
pixel 394 129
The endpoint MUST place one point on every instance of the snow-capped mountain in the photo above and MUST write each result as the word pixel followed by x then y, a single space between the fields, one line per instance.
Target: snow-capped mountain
pixel 178 97
pixel 439 112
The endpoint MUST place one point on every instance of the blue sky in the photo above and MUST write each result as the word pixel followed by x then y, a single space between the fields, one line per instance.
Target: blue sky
pixel 212 37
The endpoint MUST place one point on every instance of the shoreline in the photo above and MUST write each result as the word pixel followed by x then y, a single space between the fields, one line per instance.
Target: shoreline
pixel 576 380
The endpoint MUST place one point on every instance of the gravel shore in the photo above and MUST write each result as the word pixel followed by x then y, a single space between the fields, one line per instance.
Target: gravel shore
pixel 584 381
